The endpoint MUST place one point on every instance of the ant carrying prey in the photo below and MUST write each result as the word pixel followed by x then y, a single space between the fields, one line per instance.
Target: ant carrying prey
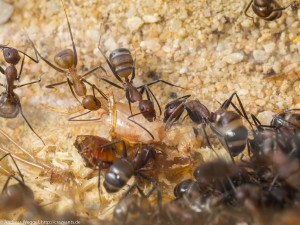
pixel 10 105
pixel 99 153
pixel 66 61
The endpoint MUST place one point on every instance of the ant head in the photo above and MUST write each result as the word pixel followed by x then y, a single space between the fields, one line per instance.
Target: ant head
pixel 11 55
pixel 171 108
pixel 147 108
pixel 65 59
pixel 122 61
pixel 90 102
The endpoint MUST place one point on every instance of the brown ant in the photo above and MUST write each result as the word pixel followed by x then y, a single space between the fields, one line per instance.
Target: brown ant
pixel 18 195
pixel 66 61
pixel 10 105
pixel 266 9
pixel 122 65
pixel 227 125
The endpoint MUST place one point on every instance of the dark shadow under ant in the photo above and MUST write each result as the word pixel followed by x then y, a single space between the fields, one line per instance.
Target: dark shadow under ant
pixel 66 61
pixel 10 105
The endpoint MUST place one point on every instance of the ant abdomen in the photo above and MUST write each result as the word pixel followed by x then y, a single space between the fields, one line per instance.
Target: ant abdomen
pixel 65 59
pixel 14 196
pixel 122 61
pixel 90 102
pixel 11 56
pixel 234 131
pixel 8 109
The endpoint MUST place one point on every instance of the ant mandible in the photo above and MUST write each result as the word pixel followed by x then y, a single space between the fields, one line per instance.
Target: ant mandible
pixel 10 105
pixel 66 61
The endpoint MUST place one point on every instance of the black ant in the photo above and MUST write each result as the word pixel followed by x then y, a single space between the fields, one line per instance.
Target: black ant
pixel 266 9
pixel 10 105
pixel 66 61
pixel 133 209
pixel 227 125
pixel 288 119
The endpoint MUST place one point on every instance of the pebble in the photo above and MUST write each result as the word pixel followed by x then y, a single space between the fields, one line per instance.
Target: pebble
pixel 151 18
pixel 134 23
pixel 6 12
pixel 233 58
pixel 260 55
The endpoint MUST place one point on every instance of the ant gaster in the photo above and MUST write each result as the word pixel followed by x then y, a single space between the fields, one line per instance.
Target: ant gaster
pixel 66 61
pixel 10 105
pixel 266 9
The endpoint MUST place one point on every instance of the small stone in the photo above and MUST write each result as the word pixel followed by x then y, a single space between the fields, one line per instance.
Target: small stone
pixel 269 47
pixel 134 23
pixel 6 12
pixel 260 56
pixel 233 58
pixel 151 18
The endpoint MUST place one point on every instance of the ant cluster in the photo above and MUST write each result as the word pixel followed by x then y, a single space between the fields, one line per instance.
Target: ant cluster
pixel 247 190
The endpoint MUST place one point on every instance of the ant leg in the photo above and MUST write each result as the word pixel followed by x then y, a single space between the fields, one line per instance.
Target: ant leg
pixel 19 171
pixel 95 87
pixel 129 118
pixel 2 70
pixel 73 93
pixel 33 82
pixel 21 111
pixel 281 8
pixel 71 35
pixel 116 142
pixel 148 90
pixel 113 84
pixel 58 83
pixel 109 64
pixel 93 70
pixel 175 115
pixel 21 69
pixel 155 186
pixel 73 118
pixel 45 60
pixel 128 99
pixel 246 10
pixel 223 141
pixel 133 71
pixel 203 126
pixel 163 81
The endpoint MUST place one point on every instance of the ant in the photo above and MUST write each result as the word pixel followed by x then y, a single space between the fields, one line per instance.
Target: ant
pixel 287 119
pixel 66 61
pixel 10 105
pixel 122 65
pixel 266 9
pixel 99 153
pixel 18 195
pixel 228 125
pixel 132 210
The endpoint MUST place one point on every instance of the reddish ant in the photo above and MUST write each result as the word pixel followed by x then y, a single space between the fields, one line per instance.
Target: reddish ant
pixel 10 105
pixel 67 63
pixel 122 65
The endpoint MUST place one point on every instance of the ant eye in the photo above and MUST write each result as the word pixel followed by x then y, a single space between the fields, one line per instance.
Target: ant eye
pixel 172 106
